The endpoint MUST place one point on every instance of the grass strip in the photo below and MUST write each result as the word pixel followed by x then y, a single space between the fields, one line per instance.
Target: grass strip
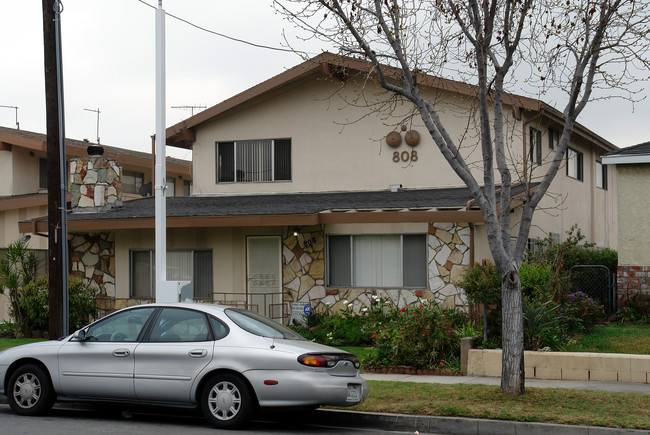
pixel 634 339
pixel 543 405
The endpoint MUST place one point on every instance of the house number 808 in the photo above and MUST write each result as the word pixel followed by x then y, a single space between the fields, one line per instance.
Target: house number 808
pixel 405 156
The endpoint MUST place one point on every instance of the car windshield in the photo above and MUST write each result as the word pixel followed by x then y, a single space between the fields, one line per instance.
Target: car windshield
pixel 260 325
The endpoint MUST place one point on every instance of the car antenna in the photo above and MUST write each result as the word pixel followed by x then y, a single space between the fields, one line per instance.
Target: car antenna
pixel 273 343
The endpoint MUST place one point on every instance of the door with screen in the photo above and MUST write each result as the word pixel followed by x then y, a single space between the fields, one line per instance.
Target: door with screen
pixel 264 275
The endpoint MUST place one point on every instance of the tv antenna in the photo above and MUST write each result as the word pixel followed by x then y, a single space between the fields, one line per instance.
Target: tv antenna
pixel 189 107
pixel 16 108
pixel 97 112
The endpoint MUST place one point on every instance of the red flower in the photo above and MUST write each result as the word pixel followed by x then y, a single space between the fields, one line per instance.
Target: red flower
pixel 415 313
pixel 374 335
pixel 403 309
pixel 421 306
pixel 441 363
pixel 383 330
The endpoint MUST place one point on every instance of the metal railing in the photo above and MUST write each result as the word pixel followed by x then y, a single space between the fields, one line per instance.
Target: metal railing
pixel 267 304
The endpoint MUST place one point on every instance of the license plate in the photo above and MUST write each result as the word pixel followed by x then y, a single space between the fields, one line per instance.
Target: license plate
pixel 354 393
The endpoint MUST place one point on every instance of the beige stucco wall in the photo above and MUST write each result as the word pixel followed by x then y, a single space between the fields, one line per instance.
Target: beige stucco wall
pixel 228 247
pixel 6 173
pixel 337 140
pixel 334 138
pixel 634 215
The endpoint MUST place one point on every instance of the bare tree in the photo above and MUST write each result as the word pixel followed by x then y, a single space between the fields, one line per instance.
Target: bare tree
pixel 576 46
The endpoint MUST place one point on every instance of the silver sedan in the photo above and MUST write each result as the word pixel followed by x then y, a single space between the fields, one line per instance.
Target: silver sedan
pixel 226 361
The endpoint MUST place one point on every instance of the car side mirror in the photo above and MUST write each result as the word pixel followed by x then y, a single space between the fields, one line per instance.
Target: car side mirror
pixel 79 335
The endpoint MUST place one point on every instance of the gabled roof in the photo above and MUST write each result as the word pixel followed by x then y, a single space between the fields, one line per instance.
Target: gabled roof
pixel 75 148
pixel 182 134
pixel 635 154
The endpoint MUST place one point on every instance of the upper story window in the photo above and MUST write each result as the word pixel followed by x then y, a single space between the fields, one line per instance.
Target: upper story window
pixel 601 175
pixel 574 164
pixel 187 188
pixel 170 184
pixel 553 138
pixel 253 161
pixel 132 181
pixel 391 260
pixel 535 146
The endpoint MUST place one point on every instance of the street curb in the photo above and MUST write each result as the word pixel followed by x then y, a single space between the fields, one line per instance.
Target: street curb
pixel 456 425
pixel 447 425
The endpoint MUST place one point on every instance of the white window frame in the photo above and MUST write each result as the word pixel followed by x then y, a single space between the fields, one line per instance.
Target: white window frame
pixel 535 154
pixel 601 175
pixel 574 164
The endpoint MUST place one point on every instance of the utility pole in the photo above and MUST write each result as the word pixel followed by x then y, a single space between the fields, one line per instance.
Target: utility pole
pixel 56 183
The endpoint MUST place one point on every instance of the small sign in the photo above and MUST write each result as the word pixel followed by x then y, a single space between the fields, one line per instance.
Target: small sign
pixel 299 313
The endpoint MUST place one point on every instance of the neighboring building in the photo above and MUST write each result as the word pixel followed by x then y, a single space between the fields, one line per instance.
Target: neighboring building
pixel 298 197
pixel 633 181
pixel 23 183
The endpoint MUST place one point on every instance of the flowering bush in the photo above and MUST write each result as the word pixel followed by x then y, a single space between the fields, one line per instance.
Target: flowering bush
pixel 420 336
pixel 580 312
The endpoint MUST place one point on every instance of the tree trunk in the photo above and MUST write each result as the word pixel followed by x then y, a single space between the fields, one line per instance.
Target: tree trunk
pixel 512 361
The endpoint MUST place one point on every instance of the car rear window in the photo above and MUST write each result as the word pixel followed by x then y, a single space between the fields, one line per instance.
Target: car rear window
pixel 260 325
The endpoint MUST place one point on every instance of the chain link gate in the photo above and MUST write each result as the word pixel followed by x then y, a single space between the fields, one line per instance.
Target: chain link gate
pixel 597 282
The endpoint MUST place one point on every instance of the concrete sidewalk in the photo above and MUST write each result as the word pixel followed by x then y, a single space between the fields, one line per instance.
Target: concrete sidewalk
pixel 623 387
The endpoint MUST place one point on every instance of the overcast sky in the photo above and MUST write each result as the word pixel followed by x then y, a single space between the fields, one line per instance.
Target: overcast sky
pixel 108 54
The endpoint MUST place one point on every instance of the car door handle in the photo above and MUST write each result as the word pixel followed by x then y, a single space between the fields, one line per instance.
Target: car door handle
pixel 198 353
pixel 121 352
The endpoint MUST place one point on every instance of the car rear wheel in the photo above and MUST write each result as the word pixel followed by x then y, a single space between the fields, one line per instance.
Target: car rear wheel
pixel 226 401
pixel 29 391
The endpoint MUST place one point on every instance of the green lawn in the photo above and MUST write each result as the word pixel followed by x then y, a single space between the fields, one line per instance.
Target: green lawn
pixel 615 339
pixel 544 405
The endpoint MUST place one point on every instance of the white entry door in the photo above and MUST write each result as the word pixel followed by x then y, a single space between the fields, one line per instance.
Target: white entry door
pixel 264 280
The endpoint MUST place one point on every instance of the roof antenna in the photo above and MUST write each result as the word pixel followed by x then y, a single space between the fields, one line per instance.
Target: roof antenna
pixel 189 107
pixel 16 108
pixel 97 112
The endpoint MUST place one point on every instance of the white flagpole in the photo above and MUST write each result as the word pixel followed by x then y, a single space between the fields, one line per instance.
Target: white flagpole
pixel 160 170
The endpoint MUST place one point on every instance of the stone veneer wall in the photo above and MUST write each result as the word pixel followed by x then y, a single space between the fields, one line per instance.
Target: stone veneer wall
pixel 631 281
pixel 93 260
pixel 303 271
pixel 95 184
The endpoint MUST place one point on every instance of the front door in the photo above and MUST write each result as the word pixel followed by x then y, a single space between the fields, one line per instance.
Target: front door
pixel 264 280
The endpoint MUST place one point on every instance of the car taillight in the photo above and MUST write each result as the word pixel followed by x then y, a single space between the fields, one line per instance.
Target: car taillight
pixel 327 360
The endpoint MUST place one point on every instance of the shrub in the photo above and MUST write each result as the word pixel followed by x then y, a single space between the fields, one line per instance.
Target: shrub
pixel 34 303
pixel 419 336
pixel 634 309
pixel 580 312
pixel 482 284
pixel 17 268
pixel 542 326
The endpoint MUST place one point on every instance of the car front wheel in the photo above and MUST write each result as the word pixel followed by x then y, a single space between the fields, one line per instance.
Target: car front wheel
pixel 226 401
pixel 29 391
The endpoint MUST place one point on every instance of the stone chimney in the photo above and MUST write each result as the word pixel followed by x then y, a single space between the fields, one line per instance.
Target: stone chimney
pixel 95 182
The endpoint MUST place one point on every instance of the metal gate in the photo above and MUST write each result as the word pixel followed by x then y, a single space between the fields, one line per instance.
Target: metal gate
pixel 597 282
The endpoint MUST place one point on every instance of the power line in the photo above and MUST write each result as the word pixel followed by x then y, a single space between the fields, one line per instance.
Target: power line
pixel 267 47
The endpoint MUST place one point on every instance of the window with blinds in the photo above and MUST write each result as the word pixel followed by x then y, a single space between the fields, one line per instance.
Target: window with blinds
pixel 253 161
pixel 182 265
pixel 392 260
